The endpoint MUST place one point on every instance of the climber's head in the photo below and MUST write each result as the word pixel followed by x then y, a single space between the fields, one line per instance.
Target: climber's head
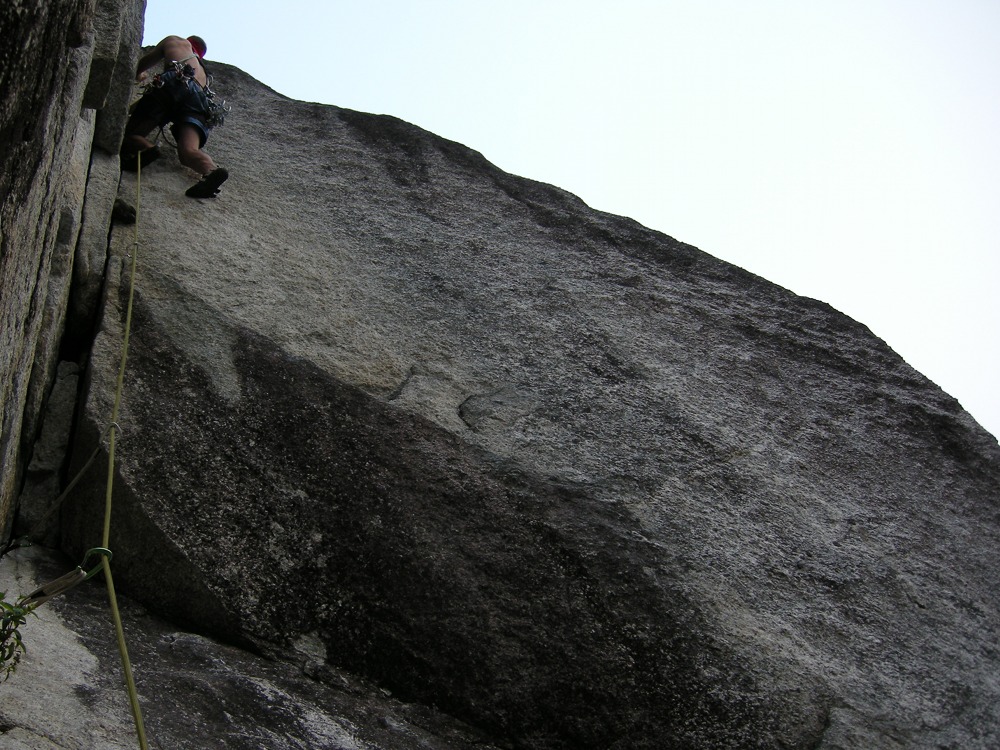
pixel 198 45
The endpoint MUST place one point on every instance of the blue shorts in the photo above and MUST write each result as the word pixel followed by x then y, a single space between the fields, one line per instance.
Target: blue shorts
pixel 178 100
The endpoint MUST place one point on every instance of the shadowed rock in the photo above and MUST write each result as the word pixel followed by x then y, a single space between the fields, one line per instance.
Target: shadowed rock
pixel 196 692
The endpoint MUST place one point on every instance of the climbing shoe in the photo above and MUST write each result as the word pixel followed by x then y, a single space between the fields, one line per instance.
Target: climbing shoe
pixel 131 161
pixel 209 185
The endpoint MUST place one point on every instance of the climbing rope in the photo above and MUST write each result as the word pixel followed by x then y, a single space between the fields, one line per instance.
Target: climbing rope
pixel 133 694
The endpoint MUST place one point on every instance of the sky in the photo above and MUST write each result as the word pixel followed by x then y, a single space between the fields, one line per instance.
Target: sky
pixel 848 151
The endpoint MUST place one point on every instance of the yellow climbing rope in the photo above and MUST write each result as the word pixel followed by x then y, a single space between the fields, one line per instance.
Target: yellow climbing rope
pixel 133 694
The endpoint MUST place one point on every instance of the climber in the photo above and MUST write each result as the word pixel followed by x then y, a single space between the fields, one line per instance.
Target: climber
pixel 179 95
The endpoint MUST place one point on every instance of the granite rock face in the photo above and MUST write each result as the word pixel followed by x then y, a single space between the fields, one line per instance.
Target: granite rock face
pixel 565 478
pixel 47 129
pixel 39 207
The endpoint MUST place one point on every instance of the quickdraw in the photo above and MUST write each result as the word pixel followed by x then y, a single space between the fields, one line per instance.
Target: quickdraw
pixel 217 110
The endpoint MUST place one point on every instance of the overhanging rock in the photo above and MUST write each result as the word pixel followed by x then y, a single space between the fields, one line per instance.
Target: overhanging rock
pixel 570 480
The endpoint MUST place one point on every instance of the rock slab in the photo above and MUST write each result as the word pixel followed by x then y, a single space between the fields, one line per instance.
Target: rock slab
pixel 568 479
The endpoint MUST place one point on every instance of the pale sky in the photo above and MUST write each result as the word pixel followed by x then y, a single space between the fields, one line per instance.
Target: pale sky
pixel 848 151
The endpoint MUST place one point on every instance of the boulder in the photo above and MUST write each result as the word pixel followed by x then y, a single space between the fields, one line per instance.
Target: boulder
pixel 565 478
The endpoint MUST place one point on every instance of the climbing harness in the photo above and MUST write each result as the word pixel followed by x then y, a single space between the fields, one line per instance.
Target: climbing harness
pixel 178 71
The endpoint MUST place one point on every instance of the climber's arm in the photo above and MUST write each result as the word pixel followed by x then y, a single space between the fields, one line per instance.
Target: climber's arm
pixel 149 60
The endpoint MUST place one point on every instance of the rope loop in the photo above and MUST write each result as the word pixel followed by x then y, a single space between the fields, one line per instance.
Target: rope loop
pixel 113 433
pixel 99 551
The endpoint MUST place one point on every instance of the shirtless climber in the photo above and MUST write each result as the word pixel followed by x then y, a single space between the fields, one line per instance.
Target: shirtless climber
pixel 178 95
